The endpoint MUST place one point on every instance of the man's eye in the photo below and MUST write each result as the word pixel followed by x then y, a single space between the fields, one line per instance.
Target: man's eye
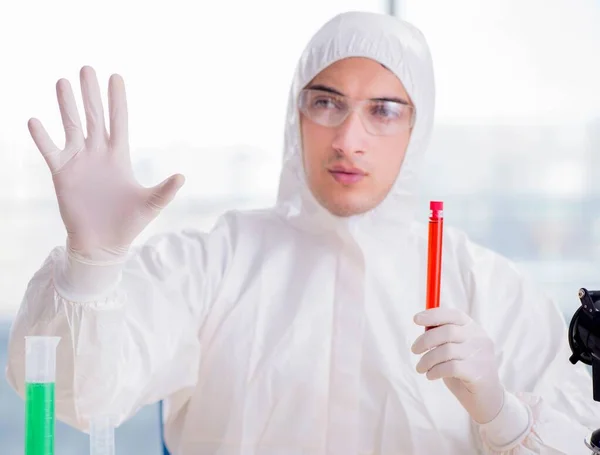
pixel 385 110
pixel 389 110
pixel 326 103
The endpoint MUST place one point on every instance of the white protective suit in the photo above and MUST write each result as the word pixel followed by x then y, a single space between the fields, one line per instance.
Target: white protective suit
pixel 288 331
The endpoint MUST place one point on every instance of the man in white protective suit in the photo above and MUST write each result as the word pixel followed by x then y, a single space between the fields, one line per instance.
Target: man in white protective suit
pixel 299 329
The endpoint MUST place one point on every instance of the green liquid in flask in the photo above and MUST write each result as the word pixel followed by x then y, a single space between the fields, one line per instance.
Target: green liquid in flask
pixel 39 418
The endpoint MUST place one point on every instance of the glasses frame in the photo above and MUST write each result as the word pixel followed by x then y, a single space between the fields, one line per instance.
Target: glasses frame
pixel 354 105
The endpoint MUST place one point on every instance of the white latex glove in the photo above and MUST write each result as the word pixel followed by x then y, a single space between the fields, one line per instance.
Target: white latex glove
pixel 459 351
pixel 102 205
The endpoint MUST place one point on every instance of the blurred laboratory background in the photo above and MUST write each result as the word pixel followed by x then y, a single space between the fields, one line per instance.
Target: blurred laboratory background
pixel 515 153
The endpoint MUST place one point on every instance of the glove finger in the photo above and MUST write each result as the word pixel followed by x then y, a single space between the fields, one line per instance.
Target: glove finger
pixel 449 333
pixel 163 193
pixel 458 369
pixel 440 316
pixel 441 354
pixel 50 152
pixel 70 115
pixel 92 103
pixel 117 108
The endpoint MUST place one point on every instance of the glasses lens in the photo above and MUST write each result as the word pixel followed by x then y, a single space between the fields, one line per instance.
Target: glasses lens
pixel 387 117
pixel 326 109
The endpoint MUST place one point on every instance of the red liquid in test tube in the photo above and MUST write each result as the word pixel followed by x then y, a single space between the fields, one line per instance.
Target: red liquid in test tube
pixel 434 257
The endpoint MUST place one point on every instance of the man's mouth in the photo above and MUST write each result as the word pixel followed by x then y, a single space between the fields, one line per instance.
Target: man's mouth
pixel 347 175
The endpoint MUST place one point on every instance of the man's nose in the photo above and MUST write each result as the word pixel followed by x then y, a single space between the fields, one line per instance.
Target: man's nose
pixel 350 137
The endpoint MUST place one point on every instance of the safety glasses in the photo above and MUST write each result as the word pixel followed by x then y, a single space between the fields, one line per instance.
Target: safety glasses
pixel 379 117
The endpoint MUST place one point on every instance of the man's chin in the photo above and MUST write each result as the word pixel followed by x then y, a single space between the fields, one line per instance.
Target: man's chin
pixel 346 209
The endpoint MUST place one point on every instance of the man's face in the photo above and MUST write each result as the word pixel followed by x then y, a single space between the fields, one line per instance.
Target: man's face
pixel 353 156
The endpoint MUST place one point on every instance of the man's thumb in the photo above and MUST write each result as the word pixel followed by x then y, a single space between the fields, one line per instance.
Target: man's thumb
pixel 163 193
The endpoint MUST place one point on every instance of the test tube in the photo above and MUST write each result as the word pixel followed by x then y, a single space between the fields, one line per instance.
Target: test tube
pixel 40 379
pixel 434 261
pixel 102 436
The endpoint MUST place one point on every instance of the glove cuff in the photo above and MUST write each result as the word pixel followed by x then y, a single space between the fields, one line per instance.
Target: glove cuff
pixel 512 424
pixel 78 281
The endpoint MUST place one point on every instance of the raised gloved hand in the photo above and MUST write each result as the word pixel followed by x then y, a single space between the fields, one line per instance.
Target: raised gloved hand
pixel 459 351
pixel 101 204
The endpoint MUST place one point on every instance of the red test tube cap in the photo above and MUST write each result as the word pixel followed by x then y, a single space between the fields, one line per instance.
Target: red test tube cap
pixel 436 205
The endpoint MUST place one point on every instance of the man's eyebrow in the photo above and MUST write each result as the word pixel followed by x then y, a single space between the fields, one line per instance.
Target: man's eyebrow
pixel 325 88
pixel 392 99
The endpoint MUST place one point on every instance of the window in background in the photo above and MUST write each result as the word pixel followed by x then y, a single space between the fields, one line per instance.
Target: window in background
pixel 517 135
